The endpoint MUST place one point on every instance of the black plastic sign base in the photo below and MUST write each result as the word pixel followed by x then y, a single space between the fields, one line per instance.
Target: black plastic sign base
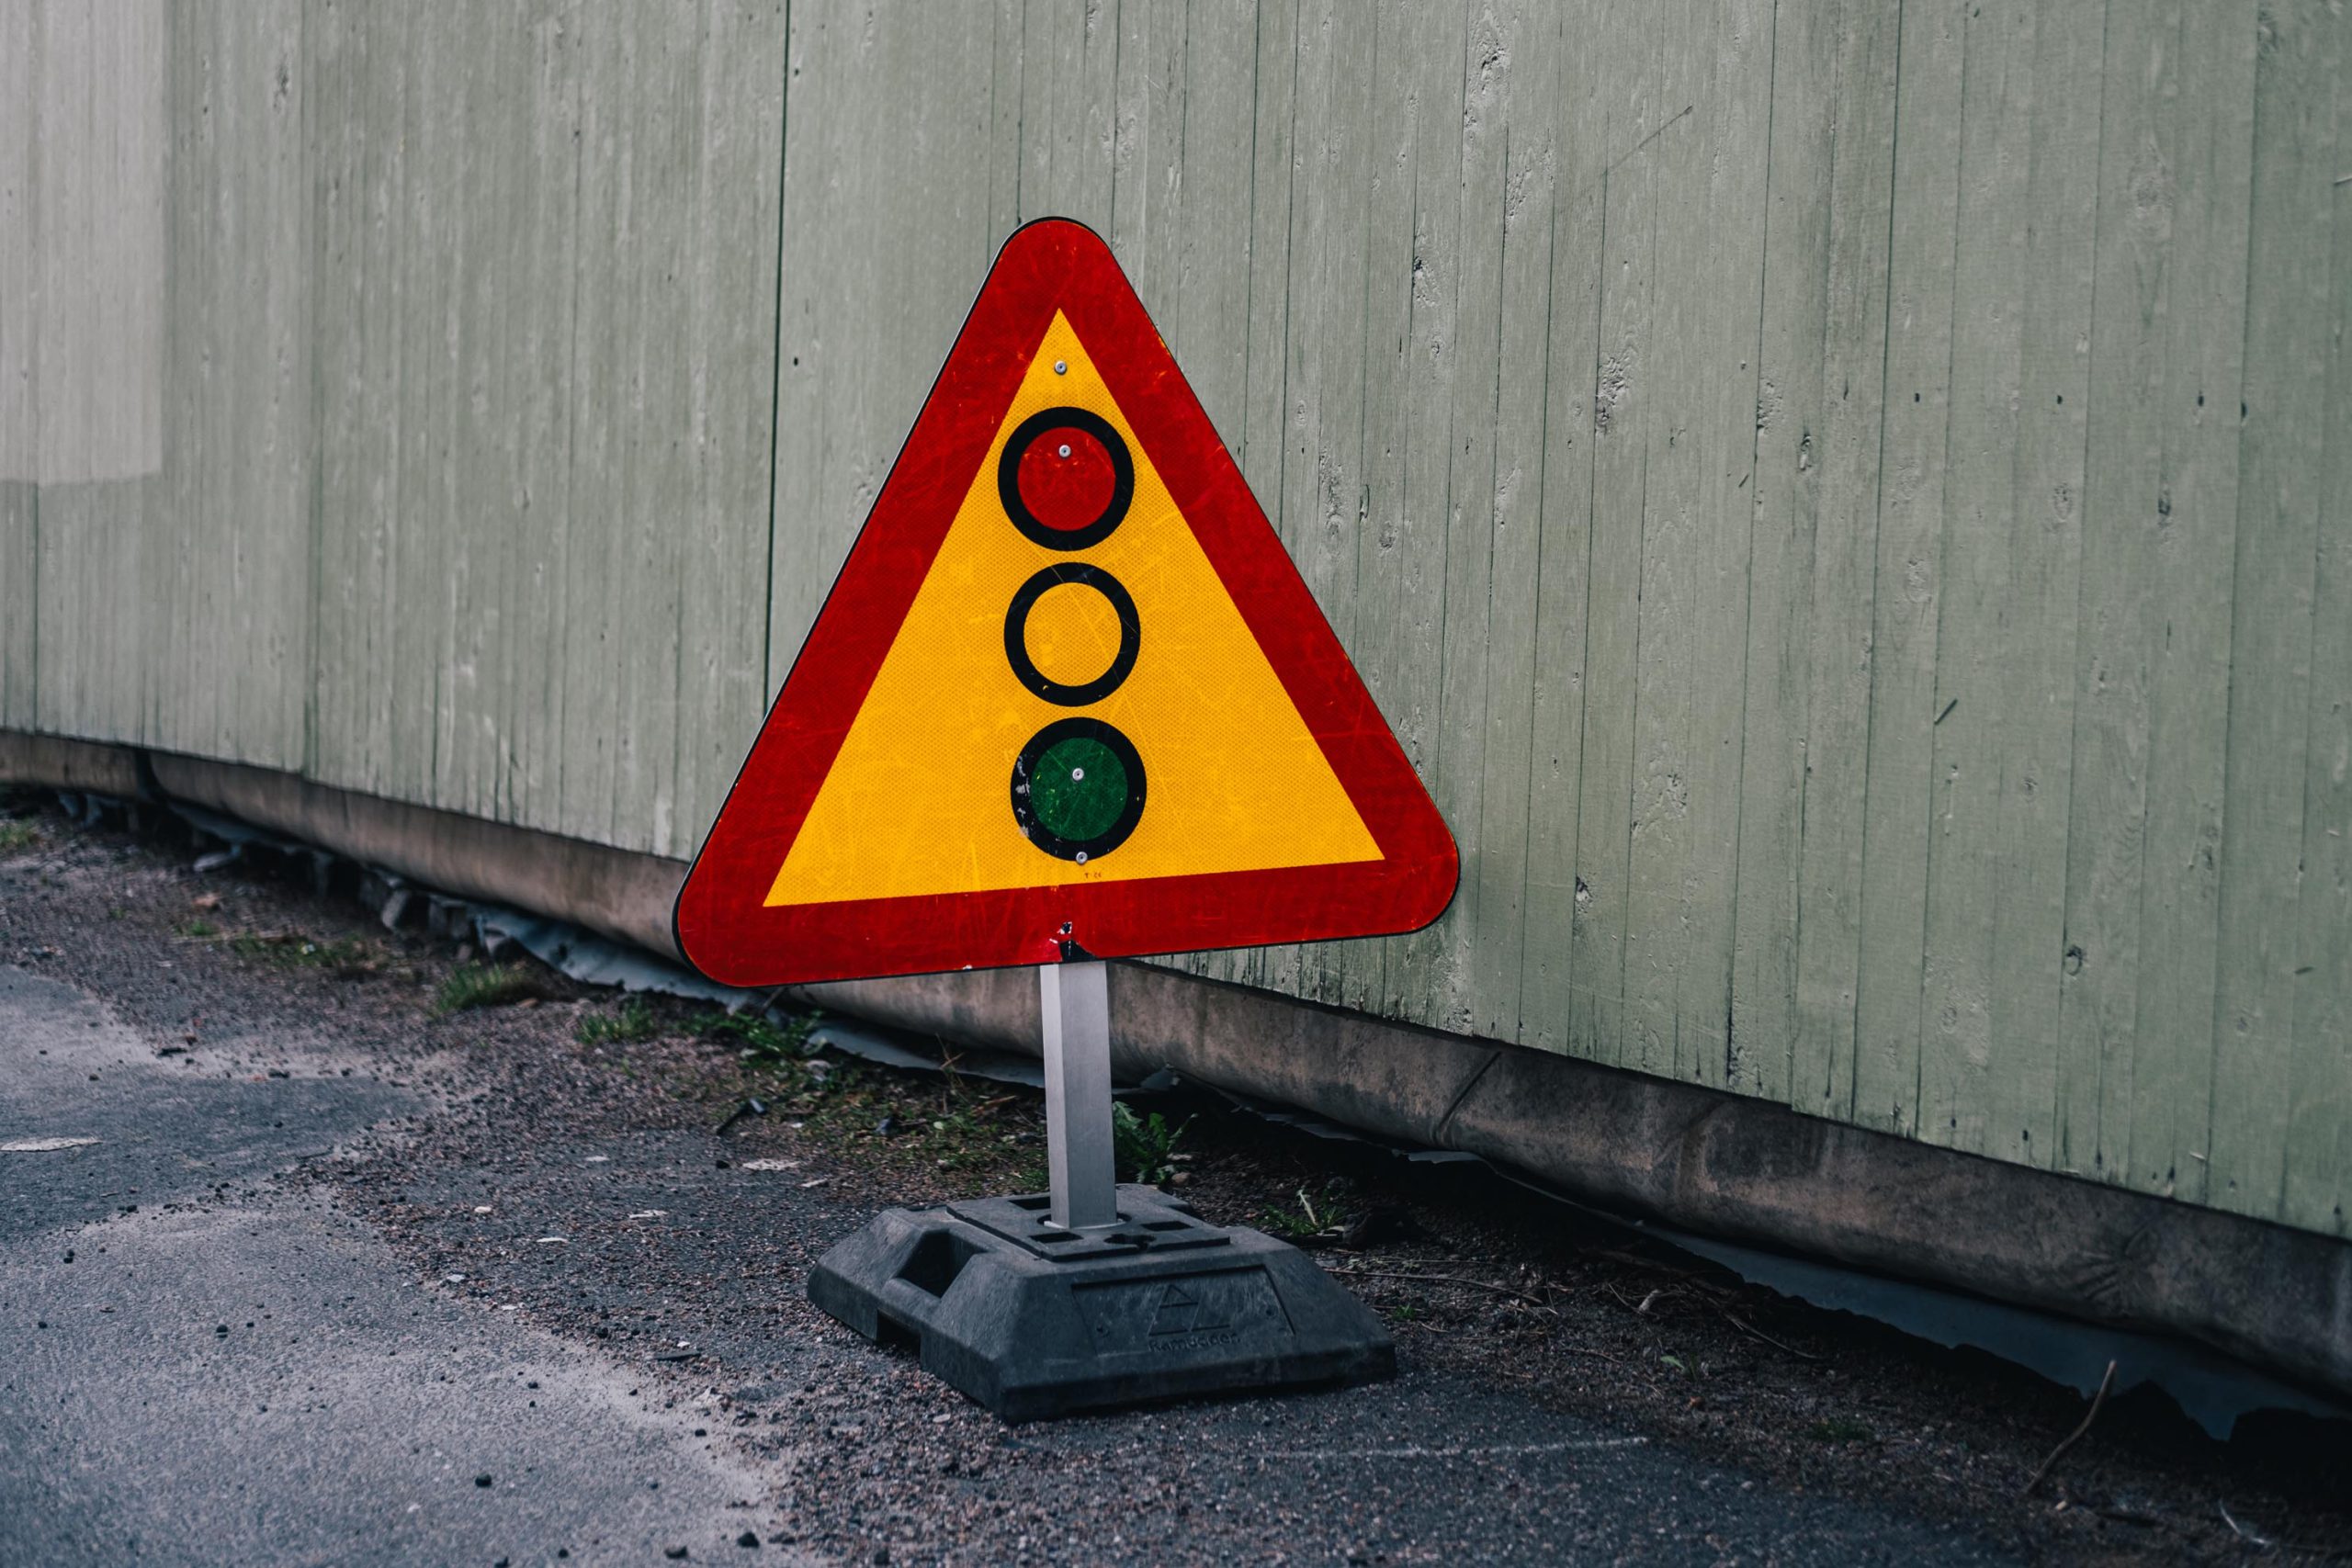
pixel 1034 1321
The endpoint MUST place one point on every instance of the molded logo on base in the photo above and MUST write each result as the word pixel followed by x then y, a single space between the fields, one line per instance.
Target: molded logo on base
pixel 1219 1307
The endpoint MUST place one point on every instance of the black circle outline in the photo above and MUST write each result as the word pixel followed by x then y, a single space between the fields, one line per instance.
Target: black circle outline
pixel 1008 478
pixel 1016 634
pixel 1024 810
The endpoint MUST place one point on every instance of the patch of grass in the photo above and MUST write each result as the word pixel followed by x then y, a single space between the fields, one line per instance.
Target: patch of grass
pixel 634 1023
pixel 472 986
pixel 292 949
pixel 1144 1147
pixel 959 1140
pixel 197 930
pixel 967 1135
pixel 761 1040
pixel 1317 1214
pixel 15 836
pixel 944 1134
pixel 1840 1430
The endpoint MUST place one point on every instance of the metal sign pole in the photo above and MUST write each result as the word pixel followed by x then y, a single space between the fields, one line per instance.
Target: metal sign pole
pixel 1076 1002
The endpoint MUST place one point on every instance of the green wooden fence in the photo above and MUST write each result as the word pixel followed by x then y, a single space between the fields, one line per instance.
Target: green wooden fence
pixel 1848 505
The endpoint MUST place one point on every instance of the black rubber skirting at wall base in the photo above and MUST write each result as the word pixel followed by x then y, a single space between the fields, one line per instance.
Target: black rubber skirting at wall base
pixel 1718 1164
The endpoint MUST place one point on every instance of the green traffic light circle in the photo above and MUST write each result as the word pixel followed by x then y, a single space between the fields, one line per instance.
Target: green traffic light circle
pixel 1078 789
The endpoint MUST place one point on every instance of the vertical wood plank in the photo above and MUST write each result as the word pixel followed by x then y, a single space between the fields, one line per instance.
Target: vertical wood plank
pixel 1274 155
pixel 728 316
pixel 2190 688
pixel 2283 442
pixel 1470 517
pixel 612 385
pixel 1732 125
pixel 536 473
pixel 227 526
pixel 1839 650
pixel 1007 70
pixel 1973 644
pixel 421 236
pixel 2319 1147
pixel 1070 108
pixel 356 70
pixel 1402 583
pixel 476 741
pixel 101 206
pixel 1657 934
pixel 19 359
pixel 1147 158
pixel 1915 417
pixel 1788 407
pixel 2184 622
pixel 183 557
pixel 1549 1000
pixel 2045 566
pixel 1207 315
pixel 1526 216
pixel 1623 410
pixel 83 360
pixel 2099 979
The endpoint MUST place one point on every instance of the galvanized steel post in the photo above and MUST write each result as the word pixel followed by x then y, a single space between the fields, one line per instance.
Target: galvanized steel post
pixel 1075 1000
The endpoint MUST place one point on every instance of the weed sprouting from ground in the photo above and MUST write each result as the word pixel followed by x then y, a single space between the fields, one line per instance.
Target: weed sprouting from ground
pixel 634 1023
pixel 197 930
pixel 472 986
pixel 15 836
pixel 1144 1146
pixel 292 949
pixel 1318 1215
pixel 760 1040
pixel 969 1135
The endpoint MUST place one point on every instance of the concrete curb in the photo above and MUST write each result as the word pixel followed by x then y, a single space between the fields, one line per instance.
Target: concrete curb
pixel 1743 1169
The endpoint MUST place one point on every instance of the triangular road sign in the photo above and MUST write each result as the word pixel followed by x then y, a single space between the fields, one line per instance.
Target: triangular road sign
pixel 1068 698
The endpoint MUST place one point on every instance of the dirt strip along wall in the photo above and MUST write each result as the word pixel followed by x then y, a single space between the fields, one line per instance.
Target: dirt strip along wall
pixel 1849 506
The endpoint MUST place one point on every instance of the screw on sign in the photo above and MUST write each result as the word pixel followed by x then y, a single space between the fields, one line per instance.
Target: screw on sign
pixel 979 760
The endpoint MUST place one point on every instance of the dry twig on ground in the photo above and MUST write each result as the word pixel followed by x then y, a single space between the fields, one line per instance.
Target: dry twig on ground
pixel 2097 1400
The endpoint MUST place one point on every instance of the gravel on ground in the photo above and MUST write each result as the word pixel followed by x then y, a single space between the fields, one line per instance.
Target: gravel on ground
pixel 539 1158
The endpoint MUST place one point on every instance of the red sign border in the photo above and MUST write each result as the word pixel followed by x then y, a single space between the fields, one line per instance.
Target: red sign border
pixel 721 923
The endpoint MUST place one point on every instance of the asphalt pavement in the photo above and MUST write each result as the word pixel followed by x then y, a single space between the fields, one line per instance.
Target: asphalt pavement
pixel 295 1270
pixel 209 1367
pixel 212 1363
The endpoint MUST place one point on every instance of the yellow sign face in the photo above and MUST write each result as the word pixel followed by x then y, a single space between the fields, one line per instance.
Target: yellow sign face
pixel 916 801
pixel 1069 698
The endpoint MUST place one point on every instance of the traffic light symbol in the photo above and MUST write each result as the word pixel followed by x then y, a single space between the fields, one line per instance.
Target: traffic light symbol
pixel 1067 479
pixel 1071 677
